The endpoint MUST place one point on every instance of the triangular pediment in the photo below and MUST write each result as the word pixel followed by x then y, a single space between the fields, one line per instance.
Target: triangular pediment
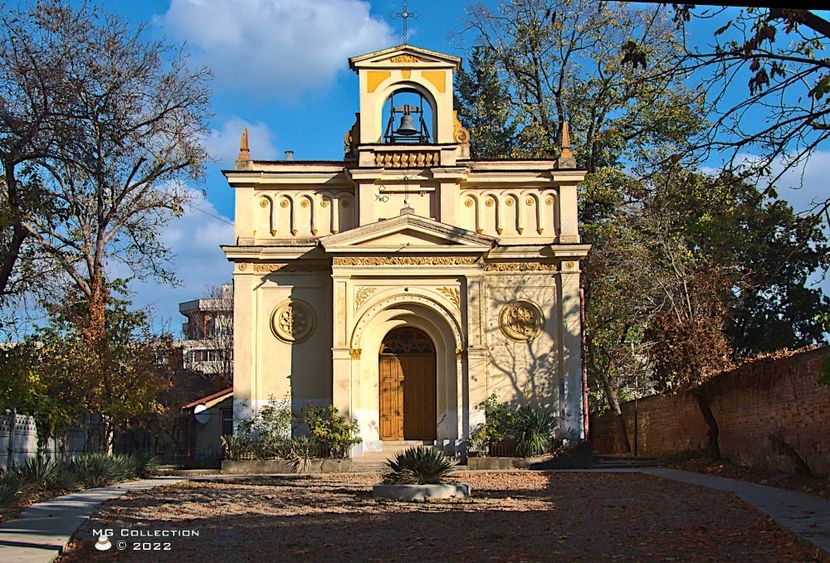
pixel 403 54
pixel 407 233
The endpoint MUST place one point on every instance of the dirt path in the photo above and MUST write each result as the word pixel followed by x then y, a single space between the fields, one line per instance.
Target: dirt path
pixel 512 516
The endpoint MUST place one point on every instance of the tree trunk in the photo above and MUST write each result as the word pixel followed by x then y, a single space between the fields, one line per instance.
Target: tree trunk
pixel 19 233
pixel 711 422
pixel 96 325
pixel 614 401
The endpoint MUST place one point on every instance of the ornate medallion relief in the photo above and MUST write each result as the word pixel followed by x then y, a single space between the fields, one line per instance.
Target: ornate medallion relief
pixel 520 320
pixel 293 321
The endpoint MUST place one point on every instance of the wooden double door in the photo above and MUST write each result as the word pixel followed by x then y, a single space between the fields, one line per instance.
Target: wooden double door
pixel 407 386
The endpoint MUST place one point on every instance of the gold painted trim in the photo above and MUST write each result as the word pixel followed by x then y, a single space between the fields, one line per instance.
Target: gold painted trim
pixel 374 79
pixel 437 77
pixel 405 59
pixel 404 260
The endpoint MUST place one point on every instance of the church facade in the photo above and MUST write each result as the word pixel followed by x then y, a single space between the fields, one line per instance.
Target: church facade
pixel 407 283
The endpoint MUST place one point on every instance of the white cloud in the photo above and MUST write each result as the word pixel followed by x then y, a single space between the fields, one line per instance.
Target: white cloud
pixel 198 262
pixel 277 48
pixel 806 186
pixel 223 144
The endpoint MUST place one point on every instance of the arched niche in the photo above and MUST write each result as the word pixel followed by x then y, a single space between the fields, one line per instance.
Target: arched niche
pixel 412 101
pixel 385 93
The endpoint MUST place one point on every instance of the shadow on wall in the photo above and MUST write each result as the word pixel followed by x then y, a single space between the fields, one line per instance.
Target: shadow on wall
pixel 531 367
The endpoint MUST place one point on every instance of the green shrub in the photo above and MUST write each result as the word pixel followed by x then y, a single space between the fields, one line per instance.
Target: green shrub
pixel 330 429
pixel 238 447
pixel 419 466
pixel 10 486
pixel 301 452
pixel 67 477
pixel 272 419
pixel 100 470
pixel 36 471
pixel 142 464
pixel 498 426
pixel 532 431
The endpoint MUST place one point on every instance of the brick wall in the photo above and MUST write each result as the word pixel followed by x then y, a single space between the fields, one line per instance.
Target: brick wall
pixel 779 396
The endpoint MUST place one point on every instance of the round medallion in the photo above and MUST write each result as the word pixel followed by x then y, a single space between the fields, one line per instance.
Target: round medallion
pixel 293 321
pixel 263 203
pixel 284 203
pixel 521 320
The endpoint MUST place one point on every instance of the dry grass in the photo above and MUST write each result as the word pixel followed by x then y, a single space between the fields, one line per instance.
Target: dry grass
pixel 512 516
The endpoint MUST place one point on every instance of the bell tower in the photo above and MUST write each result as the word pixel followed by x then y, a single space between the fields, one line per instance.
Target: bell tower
pixel 406 114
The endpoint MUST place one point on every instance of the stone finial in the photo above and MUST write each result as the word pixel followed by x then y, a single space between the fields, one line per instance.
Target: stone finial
pixel 566 157
pixel 243 161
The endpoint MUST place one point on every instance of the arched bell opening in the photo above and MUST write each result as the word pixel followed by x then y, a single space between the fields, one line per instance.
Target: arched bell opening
pixel 407 385
pixel 408 115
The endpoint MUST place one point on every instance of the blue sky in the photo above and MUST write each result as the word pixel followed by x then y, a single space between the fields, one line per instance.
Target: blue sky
pixel 280 69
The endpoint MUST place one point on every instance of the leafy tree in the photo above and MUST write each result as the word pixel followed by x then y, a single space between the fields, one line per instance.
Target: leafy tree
pixel 769 251
pixel 480 94
pixel 783 113
pixel 25 388
pixel 130 115
pixel 657 230
pixel 56 379
pixel 560 60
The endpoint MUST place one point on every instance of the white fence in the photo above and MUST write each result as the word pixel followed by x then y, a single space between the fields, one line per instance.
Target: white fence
pixel 18 441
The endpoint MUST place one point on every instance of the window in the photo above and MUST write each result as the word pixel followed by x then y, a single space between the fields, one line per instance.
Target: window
pixel 207 355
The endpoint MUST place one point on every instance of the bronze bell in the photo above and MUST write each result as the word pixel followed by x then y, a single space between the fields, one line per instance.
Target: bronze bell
pixel 407 126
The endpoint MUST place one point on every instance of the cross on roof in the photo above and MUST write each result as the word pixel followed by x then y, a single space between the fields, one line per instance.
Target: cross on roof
pixel 405 14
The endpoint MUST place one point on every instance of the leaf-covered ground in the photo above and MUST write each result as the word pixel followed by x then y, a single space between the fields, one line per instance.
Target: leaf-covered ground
pixel 518 516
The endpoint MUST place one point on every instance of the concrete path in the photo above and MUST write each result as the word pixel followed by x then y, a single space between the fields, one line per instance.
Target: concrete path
pixel 43 529
pixel 807 516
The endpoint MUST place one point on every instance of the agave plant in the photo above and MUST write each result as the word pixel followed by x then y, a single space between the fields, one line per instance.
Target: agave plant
pixel 418 466
pixel 100 470
pixel 532 431
pixel 36 471
pixel 142 464
pixel 238 447
pixel 9 487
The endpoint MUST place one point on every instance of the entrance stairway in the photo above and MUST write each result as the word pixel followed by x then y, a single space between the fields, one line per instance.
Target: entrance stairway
pixel 376 461
pixel 610 461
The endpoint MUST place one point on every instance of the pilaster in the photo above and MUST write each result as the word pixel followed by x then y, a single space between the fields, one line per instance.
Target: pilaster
pixel 570 353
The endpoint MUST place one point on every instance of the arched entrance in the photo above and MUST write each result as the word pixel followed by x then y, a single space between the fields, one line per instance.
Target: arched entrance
pixel 406 367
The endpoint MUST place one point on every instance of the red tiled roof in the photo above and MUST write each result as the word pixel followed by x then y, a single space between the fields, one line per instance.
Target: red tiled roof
pixel 203 400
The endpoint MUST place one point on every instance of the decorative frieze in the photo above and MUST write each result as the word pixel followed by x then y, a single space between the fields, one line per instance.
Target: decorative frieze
pixel 289 268
pixel 405 261
pixel 520 267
